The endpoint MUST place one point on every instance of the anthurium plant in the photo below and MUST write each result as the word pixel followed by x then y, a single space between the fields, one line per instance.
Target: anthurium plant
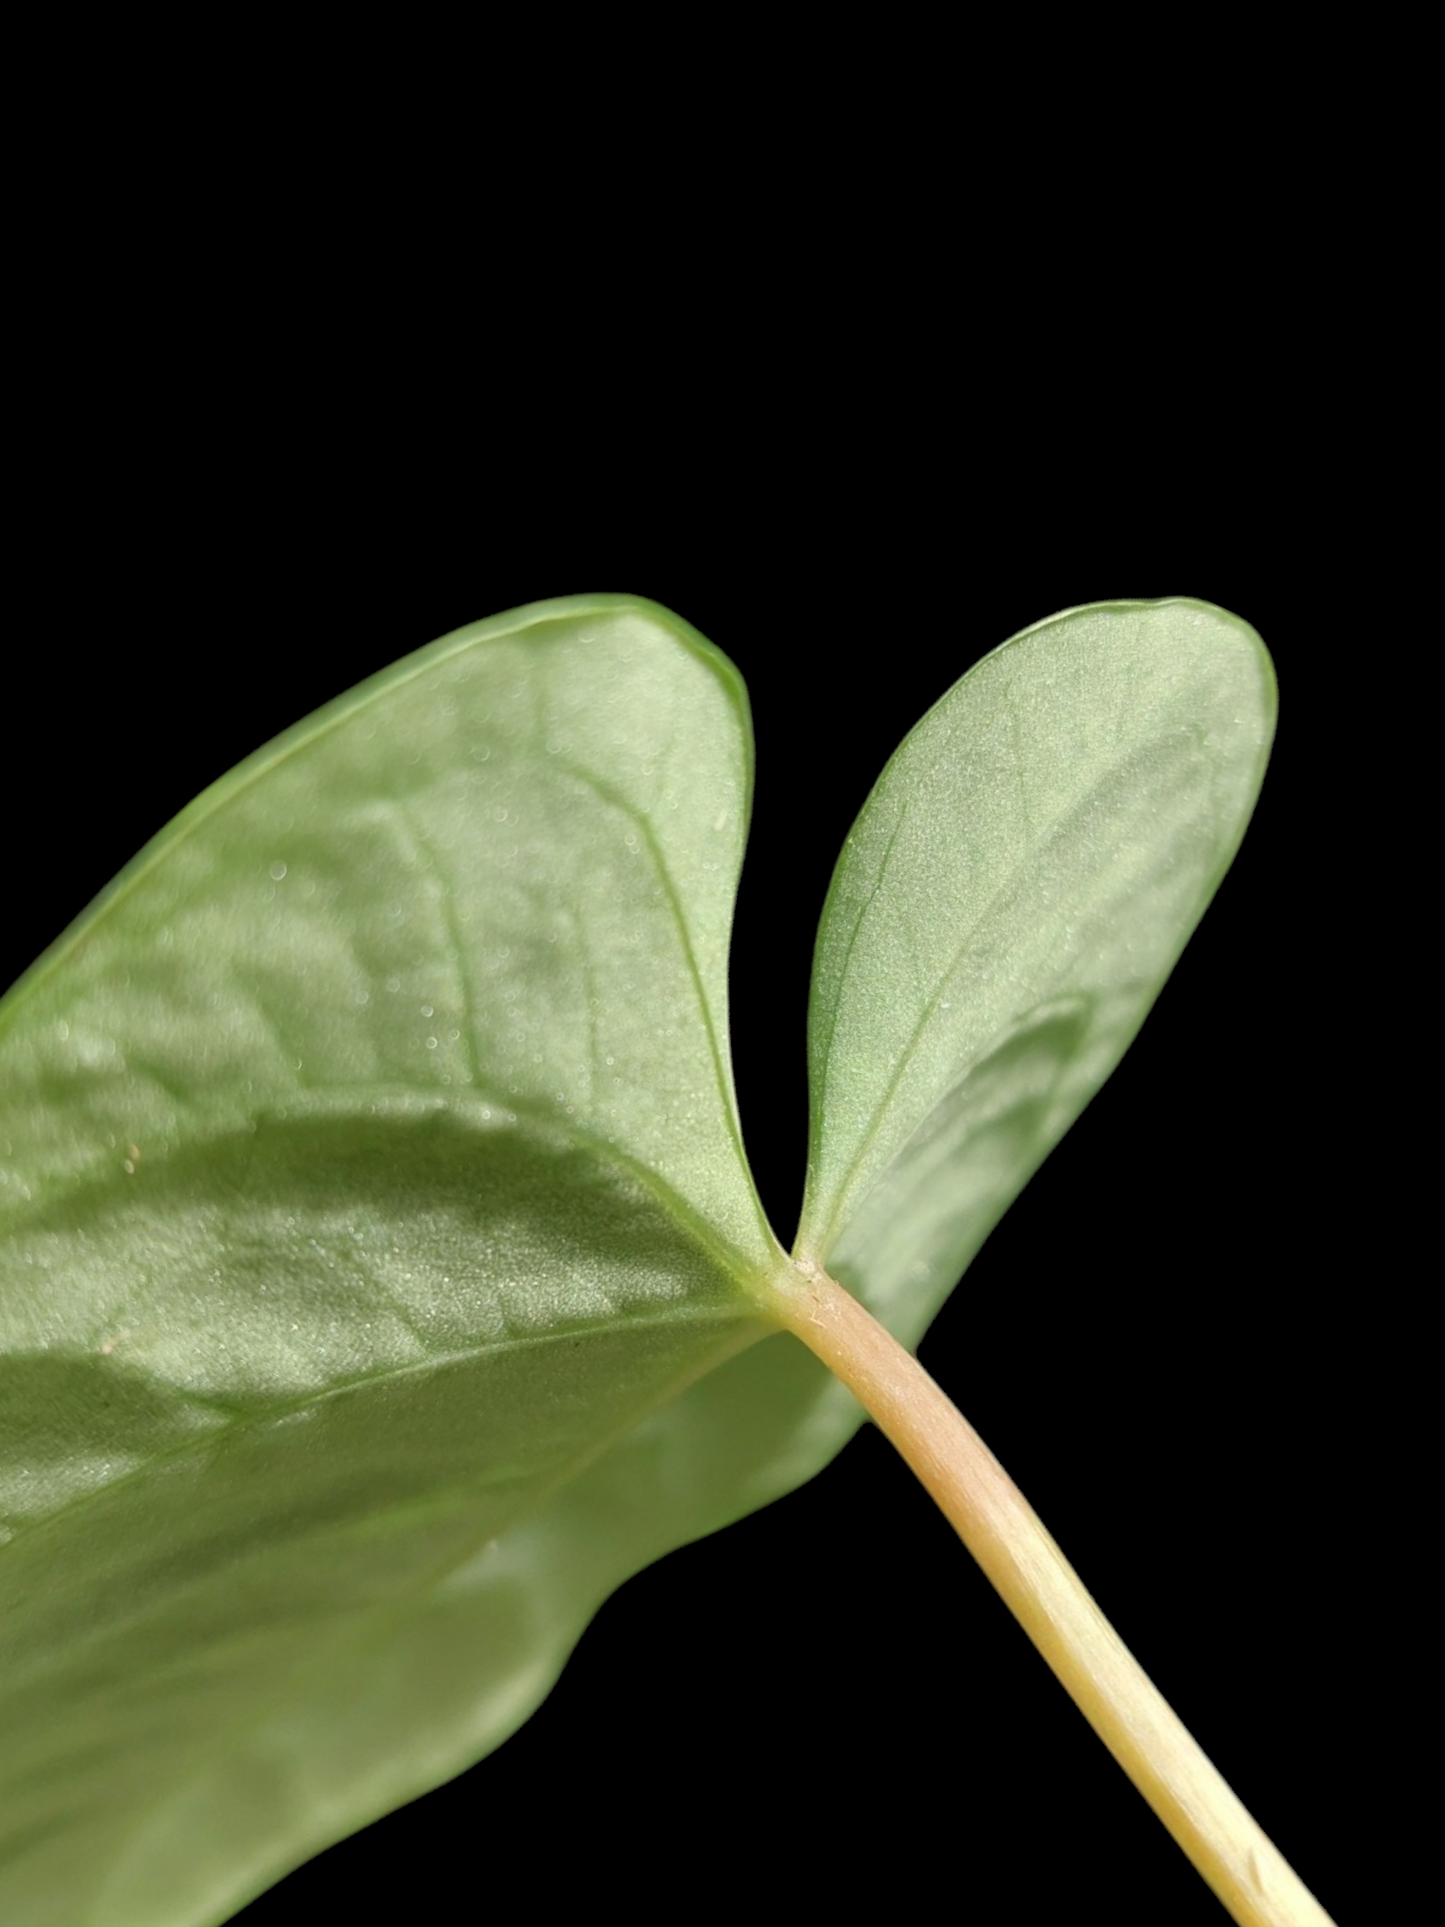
pixel 382 1279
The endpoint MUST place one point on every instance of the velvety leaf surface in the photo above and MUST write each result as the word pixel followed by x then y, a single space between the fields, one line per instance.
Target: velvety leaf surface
pixel 1007 907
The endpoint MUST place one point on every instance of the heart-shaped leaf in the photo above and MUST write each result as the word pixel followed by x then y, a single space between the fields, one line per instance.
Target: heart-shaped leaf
pixel 381 1279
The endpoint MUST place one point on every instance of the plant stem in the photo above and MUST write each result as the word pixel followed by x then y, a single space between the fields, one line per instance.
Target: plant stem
pixel 1008 1539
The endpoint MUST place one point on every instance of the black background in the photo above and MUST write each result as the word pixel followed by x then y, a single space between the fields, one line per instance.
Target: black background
pixel 1145 1341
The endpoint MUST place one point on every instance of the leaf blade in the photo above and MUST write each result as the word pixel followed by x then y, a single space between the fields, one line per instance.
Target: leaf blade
pixel 1015 892
pixel 341 1108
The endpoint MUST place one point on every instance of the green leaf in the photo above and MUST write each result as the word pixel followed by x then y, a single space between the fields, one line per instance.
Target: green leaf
pixel 370 1190
pixel 1009 904
pixel 379 1265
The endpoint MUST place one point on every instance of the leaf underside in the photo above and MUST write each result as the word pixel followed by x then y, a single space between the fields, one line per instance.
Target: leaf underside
pixel 381 1279
pixel 1007 907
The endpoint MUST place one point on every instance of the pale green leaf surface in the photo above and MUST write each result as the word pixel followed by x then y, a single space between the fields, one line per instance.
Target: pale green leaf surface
pixel 1007 907
pixel 504 869
pixel 372 1220
pixel 377 1254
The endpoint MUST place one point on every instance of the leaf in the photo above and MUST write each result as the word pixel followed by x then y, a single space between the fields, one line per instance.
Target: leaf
pixel 370 1189
pixel 1007 907
pixel 379 1266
